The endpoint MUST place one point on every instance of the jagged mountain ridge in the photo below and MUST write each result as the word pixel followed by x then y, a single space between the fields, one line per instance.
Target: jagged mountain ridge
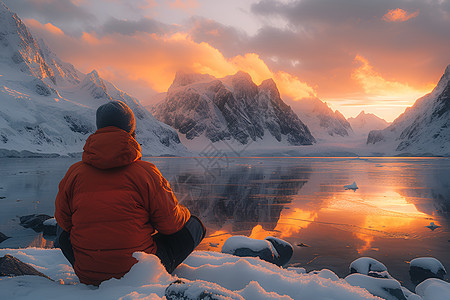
pixel 321 119
pixel 230 109
pixel 364 122
pixel 49 107
pixel 422 128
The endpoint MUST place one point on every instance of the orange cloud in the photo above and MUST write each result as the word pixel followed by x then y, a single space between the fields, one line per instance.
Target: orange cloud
pixel 378 88
pixel 399 15
pixel 48 27
pixel 142 61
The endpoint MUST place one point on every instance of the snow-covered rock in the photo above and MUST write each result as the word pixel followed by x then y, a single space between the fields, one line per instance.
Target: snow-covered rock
pixel 321 120
pixel 11 266
pixel 422 268
pixel 422 128
pixel 247 247
pixel 271 249
pixel 366 122
pixel 434 289
pixel 284 250
pixel 389 289
pixel 193 290
pixel 49 107
pixel 232 109
pixel 364 265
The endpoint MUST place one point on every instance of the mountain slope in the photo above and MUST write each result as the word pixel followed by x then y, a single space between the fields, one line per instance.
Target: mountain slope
pixel 364 123
pixel 49 107
pixel 422 128
pixel 321 119
pixel 230 109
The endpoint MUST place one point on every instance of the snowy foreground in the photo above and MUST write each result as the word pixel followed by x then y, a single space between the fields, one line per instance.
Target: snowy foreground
pixel 230 276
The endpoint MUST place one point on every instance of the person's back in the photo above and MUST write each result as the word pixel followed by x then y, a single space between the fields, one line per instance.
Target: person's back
pixel 112 202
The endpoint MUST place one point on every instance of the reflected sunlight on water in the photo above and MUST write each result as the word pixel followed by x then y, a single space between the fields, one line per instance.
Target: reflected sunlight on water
pixel 301 200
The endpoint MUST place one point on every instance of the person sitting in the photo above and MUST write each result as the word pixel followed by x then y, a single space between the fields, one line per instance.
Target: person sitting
pixel 112 204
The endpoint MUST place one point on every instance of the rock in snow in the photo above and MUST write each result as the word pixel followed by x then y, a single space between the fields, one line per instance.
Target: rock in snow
pixel 196 290
pixel 284 249
pixel 422 268
pixel 389 289
pixel 244 246
pixel 3 237
pixel 433 289
pixel 271 249
pixel 364 265
pixel 11 266
pixel 49 107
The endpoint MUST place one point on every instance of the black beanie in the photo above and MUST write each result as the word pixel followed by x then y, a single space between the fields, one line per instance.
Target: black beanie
pixel 116 113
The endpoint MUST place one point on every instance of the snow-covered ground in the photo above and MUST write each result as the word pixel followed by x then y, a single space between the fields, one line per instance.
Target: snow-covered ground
pixel 230 276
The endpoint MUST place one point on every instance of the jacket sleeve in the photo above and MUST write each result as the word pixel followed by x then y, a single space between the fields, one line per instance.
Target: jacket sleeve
pixel 63 213
pixel 166 214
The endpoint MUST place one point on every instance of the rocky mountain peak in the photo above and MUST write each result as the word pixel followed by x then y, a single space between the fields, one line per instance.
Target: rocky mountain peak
pixel 183 78
pixel 243 85
pixel 231 108
pixel 95 85
pixel 19 48
pixel 444 81
pixel 269 87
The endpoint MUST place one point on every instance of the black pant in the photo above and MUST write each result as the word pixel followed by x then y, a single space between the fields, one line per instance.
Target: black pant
pixel 172 249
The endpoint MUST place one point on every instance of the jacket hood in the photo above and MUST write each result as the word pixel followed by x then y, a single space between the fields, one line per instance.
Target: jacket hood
pixel 111 147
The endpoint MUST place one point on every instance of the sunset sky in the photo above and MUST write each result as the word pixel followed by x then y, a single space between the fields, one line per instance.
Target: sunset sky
pixel 378 56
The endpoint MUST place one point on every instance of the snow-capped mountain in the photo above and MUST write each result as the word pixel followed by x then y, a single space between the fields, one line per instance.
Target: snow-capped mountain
pixel 47 106
pixel 321 119
pixel 422 128
pixel 364 123
pixel 232 108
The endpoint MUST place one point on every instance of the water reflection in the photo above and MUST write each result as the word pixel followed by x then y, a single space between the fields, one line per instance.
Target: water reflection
pixel 243 196
pixel 301 200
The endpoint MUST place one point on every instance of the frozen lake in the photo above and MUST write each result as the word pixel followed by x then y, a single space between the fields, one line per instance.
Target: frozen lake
pixel 301 200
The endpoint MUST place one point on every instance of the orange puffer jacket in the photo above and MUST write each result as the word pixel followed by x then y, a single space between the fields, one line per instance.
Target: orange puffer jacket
pixel 111 203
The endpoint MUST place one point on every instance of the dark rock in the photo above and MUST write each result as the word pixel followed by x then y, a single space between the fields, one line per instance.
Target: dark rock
pixel 423 268
pixel 284 249
pixel 34 221
pixel 3 237
pixel 383 274
pixel 193 290
pixel 264 254
pixel 11 266
pixel 49 229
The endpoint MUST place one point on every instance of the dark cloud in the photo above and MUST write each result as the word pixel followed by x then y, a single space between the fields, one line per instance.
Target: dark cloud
pixel 324 36
pixel 229 40
pixel 131 27
pixel 62 13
